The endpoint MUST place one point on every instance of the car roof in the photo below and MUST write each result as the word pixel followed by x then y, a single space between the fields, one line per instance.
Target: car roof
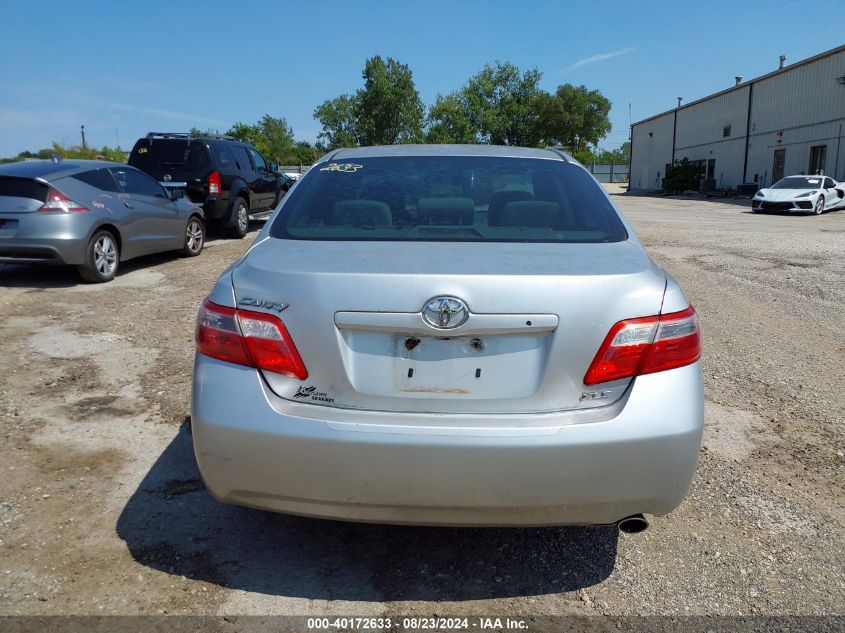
pixel 499 151
pixel 49 170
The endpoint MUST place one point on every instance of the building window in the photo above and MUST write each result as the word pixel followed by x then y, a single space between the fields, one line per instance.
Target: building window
pixel 818 157
pixel 726 131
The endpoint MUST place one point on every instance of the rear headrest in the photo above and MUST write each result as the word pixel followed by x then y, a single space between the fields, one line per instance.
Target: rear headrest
pixel 530 213
pixel 361 213
pixel 498 202
pixel 447 211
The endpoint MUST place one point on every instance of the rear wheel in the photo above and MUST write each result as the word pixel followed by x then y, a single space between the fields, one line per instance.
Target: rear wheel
pixel 194 237
pixel 101 258
pixel 239 218
pixel 819 206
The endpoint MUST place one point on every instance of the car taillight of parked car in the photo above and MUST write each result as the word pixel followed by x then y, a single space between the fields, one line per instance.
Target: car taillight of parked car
pixel 252 339
pixel 214 183
pixel 634 347
pixel 59 202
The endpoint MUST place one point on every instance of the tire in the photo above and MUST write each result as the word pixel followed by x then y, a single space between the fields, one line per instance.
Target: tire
pixel 819 208
pixel 238 219
pixel 102 258
pixel 194 237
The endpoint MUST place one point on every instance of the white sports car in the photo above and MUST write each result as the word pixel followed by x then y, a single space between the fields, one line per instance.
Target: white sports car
pixel 801 194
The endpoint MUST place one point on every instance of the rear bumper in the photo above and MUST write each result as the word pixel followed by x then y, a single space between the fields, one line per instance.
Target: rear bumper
pixel 216 208
pixel 43 238
pixel 257 450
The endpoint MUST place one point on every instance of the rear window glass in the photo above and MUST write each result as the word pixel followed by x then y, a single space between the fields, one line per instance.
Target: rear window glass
pixel 169 153
pixel 461 199
pixel 98 178
pixel 11 187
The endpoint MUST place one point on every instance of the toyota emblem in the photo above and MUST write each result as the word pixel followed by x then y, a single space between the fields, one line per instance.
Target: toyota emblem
pixel 445 313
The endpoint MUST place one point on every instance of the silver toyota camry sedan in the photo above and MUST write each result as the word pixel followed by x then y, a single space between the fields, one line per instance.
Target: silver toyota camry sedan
pixel 92 215
pixel 449 335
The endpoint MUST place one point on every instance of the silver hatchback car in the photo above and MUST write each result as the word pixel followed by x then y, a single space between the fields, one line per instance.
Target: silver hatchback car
pixel 92 215
pixel 448 335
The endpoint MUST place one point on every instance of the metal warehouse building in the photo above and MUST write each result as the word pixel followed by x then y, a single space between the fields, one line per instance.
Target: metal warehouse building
pixel 789 121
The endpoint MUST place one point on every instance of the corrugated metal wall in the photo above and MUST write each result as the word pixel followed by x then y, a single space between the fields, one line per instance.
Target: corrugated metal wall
pixel 651 151
pixel 701 134
pixel 791 111
pixel 795 111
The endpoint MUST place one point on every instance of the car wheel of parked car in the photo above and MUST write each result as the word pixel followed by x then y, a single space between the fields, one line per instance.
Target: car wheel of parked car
pixel 239 219
pixel 194 237
pixel 101 258
pixel 819 206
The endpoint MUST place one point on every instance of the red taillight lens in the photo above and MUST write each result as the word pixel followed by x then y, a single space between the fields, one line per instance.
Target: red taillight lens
pixel 248 338
pixel 214 182
pixel 57 201
pixel 643 346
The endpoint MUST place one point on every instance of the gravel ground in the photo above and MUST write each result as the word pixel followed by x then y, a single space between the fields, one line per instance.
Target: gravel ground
pixel 102 510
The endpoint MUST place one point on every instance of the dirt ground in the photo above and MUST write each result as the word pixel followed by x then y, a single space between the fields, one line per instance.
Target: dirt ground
pixel 102 510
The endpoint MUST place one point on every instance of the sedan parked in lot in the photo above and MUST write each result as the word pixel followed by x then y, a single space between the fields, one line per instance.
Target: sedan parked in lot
pixel 800 194
pixel 92 215
pixel 449 335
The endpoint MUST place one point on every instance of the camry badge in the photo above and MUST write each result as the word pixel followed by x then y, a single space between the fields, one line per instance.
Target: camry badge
pixel 251 302
pixel 445 313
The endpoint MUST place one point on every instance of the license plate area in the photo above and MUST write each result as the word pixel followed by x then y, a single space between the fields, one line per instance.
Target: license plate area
pixel 492 367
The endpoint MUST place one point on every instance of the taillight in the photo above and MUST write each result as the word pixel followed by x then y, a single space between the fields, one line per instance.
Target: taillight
pixel 646 345
pixel 214 182
pixel 253 339
pixel 57 201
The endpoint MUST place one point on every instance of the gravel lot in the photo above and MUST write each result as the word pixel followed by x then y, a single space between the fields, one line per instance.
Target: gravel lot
pixel 102 510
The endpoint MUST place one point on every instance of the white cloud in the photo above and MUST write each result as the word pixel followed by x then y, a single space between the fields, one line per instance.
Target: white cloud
pixel 599 58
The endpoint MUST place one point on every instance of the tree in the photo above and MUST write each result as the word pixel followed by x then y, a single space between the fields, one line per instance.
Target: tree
pixel 449 121
pixel 623 153
pixel 337 116
pixel 272 136
pixel 386 111
pixel 573 117
pixel 681 177
pixel 91 153
pixel 498 105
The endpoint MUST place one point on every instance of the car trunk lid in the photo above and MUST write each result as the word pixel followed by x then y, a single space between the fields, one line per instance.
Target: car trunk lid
pixel 537 314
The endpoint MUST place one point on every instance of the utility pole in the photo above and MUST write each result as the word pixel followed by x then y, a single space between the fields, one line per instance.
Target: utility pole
pixel 82 128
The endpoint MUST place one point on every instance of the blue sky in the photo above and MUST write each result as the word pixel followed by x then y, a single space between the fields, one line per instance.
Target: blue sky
pixel 124 68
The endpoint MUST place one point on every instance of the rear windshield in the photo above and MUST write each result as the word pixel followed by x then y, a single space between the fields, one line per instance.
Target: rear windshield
pixel 795 182
pixel 11 187
pixel 169 153
pixel 460 199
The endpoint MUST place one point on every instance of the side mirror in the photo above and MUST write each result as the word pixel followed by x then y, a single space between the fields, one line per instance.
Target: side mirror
pixel 274 167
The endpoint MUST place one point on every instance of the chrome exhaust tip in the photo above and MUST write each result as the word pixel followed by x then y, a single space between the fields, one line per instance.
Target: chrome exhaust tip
pixel 633 524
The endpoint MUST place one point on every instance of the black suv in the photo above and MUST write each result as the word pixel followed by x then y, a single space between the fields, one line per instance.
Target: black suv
pixel 229 178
